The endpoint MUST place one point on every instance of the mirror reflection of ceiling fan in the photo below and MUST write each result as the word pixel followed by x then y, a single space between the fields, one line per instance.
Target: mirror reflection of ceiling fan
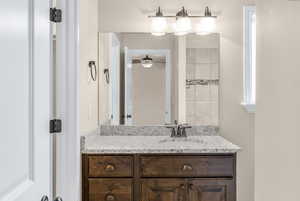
pixel 147 61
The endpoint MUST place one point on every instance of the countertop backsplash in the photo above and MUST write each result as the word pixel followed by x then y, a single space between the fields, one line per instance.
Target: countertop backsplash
pixel 108 130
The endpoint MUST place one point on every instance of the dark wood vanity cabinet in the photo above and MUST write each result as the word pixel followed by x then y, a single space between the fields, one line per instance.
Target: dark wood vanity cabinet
pixel 148 177
pixel 162 190
pixel 211 190
pixel 187 190
pixel 109 189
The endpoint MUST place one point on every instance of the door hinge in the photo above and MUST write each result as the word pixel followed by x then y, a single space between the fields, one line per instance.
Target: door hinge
pixel 55 126
pixel 55 15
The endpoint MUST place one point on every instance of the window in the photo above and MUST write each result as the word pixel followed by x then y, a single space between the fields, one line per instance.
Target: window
pixel 249 58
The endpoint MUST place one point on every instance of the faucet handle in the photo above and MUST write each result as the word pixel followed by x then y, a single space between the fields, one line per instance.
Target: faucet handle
pixel 174 128
pixel 173 131
pixel 183 131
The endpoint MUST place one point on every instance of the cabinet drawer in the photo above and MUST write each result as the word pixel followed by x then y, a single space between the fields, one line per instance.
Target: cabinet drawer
pixel 110 190
pixel 110 166
pixel 187 166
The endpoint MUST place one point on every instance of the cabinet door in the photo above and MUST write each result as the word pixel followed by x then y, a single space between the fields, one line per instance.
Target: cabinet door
pixel 110 190
pixel 163 190
pixel 211 190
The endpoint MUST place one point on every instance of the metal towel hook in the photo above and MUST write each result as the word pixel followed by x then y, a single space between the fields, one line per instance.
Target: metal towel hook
pixel 106 72
pixel 93 70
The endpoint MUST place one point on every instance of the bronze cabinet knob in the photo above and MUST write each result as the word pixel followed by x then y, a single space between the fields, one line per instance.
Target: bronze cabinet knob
pixel 110 168
pixel 187 167
pixel 110 197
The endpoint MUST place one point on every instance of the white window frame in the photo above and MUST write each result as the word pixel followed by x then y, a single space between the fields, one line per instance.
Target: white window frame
pixel 249 59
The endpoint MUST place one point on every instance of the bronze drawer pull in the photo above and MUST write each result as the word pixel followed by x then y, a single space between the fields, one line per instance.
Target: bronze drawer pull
pixel 110 197
pixel 110 168
pixel 187 167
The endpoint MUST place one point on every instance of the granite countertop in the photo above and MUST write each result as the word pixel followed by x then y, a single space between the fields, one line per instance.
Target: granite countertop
pixel 156 144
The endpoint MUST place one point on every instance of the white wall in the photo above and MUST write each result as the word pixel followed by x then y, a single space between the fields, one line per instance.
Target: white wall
pixel 88 30
pixel 277 161
pixel 235 123
pixel 107 44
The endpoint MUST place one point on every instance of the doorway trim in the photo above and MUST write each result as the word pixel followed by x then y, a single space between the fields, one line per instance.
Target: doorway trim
pixel 68 163
pixel 114 91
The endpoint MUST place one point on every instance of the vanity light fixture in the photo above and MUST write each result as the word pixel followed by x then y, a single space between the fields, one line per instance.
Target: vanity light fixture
pixel 147 62
pixel 183 23
pixel 207 24
pixel 158 24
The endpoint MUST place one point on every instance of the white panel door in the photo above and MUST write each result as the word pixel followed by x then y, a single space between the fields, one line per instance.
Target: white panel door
pixel 24 100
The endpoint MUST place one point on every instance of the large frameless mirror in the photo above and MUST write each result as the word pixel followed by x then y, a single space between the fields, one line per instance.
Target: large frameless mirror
pixel 155 80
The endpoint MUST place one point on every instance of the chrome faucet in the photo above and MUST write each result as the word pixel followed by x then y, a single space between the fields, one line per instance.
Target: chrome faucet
pixel 178 130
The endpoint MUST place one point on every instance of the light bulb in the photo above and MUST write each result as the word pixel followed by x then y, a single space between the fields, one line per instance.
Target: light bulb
pixel 206 26
pixel 147 65
pixel 158 26
pixel 182 26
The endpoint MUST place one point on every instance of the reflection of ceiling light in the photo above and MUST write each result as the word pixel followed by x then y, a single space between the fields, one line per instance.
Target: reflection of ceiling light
pixel 147 62
pixel 158 24
pixel 207 24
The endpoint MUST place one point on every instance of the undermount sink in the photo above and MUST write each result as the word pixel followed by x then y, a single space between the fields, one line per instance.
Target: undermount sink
pixel 181 140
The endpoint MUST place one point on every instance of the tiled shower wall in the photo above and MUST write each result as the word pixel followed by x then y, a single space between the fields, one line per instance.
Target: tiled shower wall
pixel 202 88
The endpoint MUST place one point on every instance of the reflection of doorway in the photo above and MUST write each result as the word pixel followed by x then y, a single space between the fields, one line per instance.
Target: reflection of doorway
pixel 114 84
pixel 147 91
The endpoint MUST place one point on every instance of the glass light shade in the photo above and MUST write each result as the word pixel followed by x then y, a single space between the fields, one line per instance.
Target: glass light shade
pixel 147 64
pixel 182 26
pixel 207 25
pixel 158 26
